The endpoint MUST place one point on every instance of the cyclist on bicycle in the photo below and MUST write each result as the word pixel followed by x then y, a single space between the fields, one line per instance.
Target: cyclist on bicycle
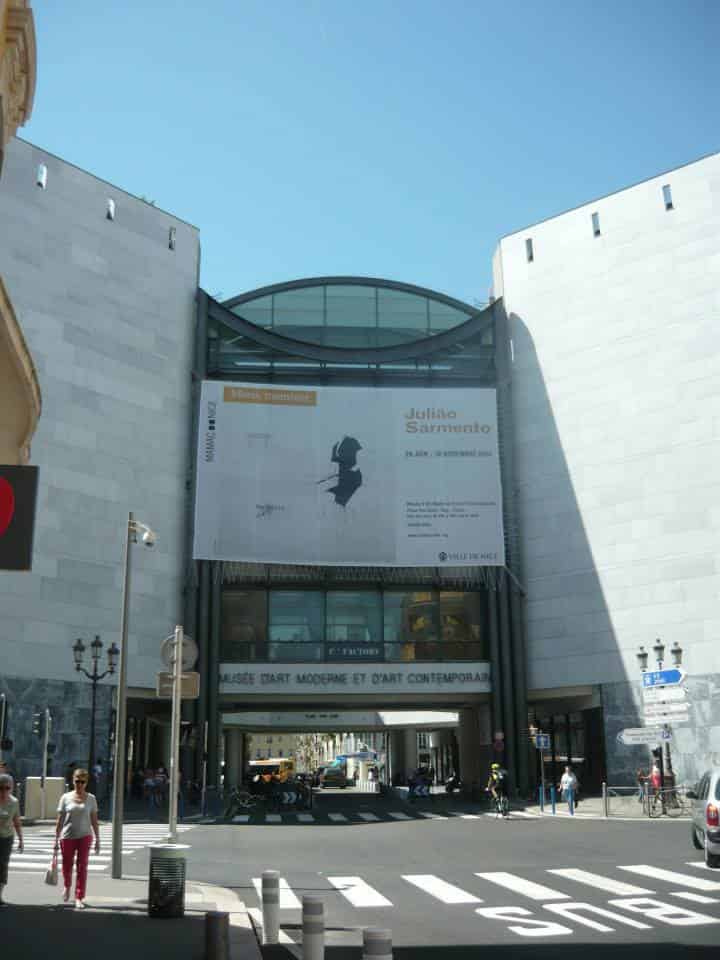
pixel 497 787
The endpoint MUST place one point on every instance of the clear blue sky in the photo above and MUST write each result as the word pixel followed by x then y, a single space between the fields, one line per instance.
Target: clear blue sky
pixel 397 139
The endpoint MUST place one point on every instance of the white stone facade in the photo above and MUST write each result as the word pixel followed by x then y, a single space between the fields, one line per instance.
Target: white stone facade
pixel 108 311
pixel 616 391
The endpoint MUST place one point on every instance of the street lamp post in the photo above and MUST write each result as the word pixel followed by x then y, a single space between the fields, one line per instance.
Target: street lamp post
pixel 95 677
pixel 149 538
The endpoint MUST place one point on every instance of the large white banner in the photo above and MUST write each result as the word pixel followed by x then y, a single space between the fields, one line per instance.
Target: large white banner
pixel 348 476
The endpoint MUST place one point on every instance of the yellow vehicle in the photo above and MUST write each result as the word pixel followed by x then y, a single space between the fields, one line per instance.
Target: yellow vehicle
pixel 282 767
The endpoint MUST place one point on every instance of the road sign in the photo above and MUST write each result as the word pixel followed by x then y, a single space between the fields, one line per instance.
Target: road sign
pixel 664 694
pixel 670 709
pixel 635 736
pixel 190 685
pixel 542 741
pixel 190 652
pixel 656 678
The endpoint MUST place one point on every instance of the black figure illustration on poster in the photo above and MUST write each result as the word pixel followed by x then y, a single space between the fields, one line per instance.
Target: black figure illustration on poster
pixel 349 478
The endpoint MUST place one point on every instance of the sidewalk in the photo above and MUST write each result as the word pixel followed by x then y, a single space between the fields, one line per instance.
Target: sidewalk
pixel 115 925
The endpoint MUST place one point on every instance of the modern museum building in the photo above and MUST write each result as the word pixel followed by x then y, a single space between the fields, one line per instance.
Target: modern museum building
pixel 370 496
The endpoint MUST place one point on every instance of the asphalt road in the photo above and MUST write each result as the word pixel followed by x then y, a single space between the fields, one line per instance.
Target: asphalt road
pixel 449 887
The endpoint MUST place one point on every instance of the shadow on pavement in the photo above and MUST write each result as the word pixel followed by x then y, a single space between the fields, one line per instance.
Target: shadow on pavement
pixel 62 932
pixel 532 951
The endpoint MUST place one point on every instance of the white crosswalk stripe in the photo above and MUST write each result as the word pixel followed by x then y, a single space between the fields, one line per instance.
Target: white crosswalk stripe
pixel 358 892
pixel 288 900
pixel 306 818
pixel 695 897
pixel 362 893
pixel 339 817
pixel 440 889
pixel 368 817
pixel 40 844
pixel 603 883
pixel 670 876
pixel 511 881
pixel 431 815
pixel 398 815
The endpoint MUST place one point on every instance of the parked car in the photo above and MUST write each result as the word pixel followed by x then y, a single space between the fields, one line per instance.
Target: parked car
pixel 706 816
pixel 334 776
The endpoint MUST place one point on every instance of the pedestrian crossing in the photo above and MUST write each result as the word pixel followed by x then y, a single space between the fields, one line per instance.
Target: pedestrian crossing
pixel 40 843
pixel 366 816
pixel 659 900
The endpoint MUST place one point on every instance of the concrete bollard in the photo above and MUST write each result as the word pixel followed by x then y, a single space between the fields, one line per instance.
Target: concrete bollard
pixel 377 944
pixel 313 928
pixel 271 906
pixel 606 812
pixel 217 935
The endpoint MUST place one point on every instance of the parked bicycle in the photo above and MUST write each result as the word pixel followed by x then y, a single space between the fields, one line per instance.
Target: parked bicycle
pixel 239 802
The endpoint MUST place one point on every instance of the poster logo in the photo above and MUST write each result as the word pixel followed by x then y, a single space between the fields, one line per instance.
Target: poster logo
pixel 349 479
pixel 18 495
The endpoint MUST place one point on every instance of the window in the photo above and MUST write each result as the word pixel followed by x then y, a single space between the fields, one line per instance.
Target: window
pixel 244 626
pixel 411 627
pixel 296 625
pixel 529 250
pixel 354 625
pixel 667 197
pixel 596 224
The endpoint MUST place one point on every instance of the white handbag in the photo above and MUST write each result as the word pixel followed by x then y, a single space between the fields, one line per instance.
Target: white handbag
pixel 51 874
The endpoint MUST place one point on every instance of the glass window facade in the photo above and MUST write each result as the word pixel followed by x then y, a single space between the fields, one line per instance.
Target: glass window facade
pixel 339 625
pixel 351 314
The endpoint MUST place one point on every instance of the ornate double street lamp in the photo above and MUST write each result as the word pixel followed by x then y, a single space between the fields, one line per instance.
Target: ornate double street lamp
pixel 95 677
pixel 666 769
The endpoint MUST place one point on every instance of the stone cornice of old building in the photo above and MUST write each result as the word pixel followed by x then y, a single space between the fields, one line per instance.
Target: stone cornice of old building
pixel 18 66
pixel 15 357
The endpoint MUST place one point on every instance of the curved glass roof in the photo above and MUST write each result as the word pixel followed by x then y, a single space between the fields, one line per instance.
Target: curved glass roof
pixel 350 330
pixel 350 312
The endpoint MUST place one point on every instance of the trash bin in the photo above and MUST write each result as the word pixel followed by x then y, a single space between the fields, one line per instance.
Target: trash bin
pixel 166 890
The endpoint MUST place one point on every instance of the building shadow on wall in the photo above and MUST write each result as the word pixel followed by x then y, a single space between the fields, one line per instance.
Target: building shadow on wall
pixel 578 687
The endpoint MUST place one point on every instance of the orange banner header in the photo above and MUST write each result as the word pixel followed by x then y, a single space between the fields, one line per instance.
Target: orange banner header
pixel 281 398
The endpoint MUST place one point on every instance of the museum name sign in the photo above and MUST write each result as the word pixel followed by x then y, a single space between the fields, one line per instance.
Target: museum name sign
pixel 294 678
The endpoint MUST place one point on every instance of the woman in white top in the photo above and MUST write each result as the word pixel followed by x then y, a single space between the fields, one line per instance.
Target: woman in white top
pixel 76 823
pixel 9 822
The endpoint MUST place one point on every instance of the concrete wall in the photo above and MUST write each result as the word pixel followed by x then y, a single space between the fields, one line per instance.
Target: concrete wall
pixel 616 381
pixel 108 312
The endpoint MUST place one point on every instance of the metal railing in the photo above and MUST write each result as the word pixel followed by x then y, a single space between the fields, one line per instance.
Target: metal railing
pixel 643 801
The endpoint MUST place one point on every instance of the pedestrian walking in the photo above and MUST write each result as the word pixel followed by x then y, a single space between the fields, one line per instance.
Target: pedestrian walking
pixel 641 779
pixel 76 823
pixel 569 788
pixel 9 822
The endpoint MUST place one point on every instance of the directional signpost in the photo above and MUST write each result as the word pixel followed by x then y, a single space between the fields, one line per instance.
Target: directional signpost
pixel 664 694
pixel 666 709
pixel 637 736
pixel 661 678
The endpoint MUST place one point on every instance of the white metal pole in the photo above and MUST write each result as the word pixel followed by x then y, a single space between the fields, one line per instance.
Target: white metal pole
pixel 313 928
pixel 175 733
pixel 46 737
pixel 120 718
pixel 203 791
pixel 3 701
pixel 271 906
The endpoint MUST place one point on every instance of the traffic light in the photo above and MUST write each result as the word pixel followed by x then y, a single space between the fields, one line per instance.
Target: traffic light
pixel 37 723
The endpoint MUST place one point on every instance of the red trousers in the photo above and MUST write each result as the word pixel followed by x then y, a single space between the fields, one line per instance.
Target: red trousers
pixel 69 849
